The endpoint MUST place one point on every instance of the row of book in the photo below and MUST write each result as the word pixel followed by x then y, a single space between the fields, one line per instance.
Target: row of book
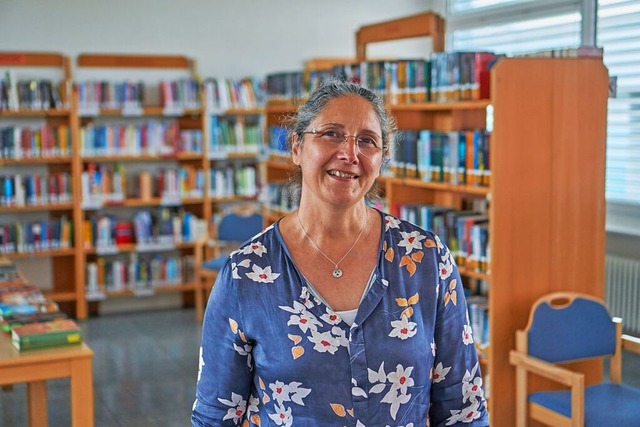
pixel 154 137
pixel 460 157
pixel 466 233
pixel 32 320
pixel 226 94
pixel 137 273
pixel 31 236
pixel 26 142
pixel 443 77
pixel 231 136
pixel 132 96
pixel 31 94
pixel 233 181
pixel 278 140
pixel 478 309
pixel 109 183
pixel 35 189
pixel 150 231
pixel 280 197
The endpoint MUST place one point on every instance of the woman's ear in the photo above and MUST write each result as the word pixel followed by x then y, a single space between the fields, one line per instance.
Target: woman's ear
pixel 296 147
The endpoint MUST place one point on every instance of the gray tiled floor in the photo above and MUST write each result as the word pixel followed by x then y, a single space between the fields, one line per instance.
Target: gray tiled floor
pixel 145 368
pixel 144 373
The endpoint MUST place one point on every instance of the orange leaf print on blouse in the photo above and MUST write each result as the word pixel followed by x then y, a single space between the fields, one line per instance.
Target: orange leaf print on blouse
pixel 245 423
pixel 255 419
pixel 407 312
pixel 402 302
pixel 407 261
pixel 389 254
pixel 414 299
pixel 417 256
pixel 350 411
pixel 295 338
pixel 234 325
pixel 338 409
pixel 297 351
pixel 451 294
pixel 261 383
pixel 430 244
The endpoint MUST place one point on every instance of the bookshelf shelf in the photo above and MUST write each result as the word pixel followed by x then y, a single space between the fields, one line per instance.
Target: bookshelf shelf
pixel 481 104
pixel 37 208
pixel 36 160
pixel 61 296
pixel 35 113
pixel 438 186
pixel 57 253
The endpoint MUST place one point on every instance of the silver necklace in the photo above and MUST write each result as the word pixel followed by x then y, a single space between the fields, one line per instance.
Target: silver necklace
pixel 337 272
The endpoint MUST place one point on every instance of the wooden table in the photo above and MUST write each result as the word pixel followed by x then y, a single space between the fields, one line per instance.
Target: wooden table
pixel 35 367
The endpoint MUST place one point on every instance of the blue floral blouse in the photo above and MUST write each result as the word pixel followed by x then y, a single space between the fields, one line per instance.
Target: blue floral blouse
pixel 273 354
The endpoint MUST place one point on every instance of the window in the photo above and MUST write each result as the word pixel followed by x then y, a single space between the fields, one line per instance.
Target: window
pixel 515 27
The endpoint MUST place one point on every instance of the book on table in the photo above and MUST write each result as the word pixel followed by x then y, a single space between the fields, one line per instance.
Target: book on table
pixel 46 334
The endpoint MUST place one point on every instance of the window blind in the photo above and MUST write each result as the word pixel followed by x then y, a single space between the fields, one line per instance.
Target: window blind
pixel 511 27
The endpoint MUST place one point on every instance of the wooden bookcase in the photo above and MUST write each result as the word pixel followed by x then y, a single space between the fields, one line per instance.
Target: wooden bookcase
pixel 546 198
pixel 186 117
pixel 63 264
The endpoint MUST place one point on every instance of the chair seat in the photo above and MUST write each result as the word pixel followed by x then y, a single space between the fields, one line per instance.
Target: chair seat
pixel 215 263
pixel 606 404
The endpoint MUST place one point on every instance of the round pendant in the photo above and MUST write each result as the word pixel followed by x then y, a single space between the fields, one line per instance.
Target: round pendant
pixel 337 273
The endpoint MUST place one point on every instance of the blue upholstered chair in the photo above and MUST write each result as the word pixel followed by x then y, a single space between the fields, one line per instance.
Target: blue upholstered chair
pixel 567 327
pixel 233 229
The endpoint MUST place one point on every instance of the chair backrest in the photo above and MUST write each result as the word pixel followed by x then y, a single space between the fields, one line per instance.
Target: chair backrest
pixel 567 326
pixel 239 227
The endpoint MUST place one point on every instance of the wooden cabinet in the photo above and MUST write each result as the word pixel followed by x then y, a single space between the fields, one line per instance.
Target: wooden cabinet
pixel 38 167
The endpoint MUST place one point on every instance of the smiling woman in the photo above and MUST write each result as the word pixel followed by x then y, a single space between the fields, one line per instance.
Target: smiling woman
pixel 339 314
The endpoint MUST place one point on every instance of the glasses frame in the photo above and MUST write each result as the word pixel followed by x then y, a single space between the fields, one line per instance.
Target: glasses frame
pixel 318 134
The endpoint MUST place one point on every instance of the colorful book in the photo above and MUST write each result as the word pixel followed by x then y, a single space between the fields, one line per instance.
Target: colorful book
pixel 46 334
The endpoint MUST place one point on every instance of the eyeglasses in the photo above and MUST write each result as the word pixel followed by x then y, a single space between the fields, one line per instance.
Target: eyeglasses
pixel 368 145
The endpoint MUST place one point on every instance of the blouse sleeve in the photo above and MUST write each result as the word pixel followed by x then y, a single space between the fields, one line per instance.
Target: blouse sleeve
pixel 457 396
pixel 225 366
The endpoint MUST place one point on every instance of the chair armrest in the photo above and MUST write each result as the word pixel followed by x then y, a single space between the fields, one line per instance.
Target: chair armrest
pixel 545 369
pixel 631 343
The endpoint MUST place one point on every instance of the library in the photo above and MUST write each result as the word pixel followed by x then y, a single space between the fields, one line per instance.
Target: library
pixel 149 150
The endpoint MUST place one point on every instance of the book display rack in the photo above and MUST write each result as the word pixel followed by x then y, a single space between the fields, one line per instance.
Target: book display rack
pixel 538 202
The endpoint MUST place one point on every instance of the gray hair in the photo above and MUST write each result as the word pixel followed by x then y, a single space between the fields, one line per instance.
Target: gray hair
pixel 307 112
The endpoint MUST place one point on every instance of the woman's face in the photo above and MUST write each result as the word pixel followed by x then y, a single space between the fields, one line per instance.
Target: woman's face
pixel 340 174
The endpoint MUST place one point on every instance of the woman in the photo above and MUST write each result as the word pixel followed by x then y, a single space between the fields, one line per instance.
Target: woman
pixel 339 314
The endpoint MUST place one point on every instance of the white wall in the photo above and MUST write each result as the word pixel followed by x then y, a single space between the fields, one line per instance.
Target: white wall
pixel 227 38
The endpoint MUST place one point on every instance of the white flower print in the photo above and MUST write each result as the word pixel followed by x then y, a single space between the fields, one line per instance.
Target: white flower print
pixel 305 321
pixel 472 390
pixel 254 248
pixel 445 269
pixel 280 392
pixel 234 267
pixel 244 351
pixel 391 222
pixel 411 241
pixel 466 415
pixel 324 342
pixel 298 393
pixel 340 336
pixel 467 335
pixel 377 377
pixel 439 243
pixel 395 399
pixel 261 275
pixel 330 317
pixel 282 417
pixel 238 406
pixel 403 328
pixel 200 364
pixel 408 425
pixel 307 299
pixel 440 373
pixel 296 309
pixel 401 379
pixel 355 390
pixel 433 348
pixel 252 405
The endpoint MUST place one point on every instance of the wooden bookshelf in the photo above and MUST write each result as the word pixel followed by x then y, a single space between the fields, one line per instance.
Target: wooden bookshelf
pixel 65 263
pixel 186 117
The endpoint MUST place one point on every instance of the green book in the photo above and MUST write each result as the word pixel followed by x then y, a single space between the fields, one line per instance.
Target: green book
pixel 46 334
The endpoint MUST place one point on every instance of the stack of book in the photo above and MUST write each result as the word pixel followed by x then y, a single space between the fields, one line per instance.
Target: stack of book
pixel 32 320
